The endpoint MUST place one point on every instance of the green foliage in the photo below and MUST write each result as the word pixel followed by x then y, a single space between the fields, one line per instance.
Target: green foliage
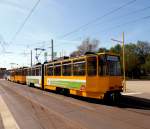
pixel 137 58
pixel 116 49
pixel 103 50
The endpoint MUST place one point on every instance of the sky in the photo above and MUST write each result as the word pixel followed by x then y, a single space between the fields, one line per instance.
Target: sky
pixel 52 19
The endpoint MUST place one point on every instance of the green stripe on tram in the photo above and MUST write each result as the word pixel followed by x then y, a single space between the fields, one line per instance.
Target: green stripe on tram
pixel 66 84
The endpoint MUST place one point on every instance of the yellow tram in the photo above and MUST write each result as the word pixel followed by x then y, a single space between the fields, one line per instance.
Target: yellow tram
pixel 12 75
pixel 18 75
pixel 92 75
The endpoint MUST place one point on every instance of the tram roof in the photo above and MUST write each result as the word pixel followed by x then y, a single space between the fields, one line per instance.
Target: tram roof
pixel 81 57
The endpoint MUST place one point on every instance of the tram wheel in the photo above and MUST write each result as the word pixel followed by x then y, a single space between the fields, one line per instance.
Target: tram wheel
pixel 112 98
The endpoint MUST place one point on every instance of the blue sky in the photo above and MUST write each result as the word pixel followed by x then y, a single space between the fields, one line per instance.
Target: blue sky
pixel 54 18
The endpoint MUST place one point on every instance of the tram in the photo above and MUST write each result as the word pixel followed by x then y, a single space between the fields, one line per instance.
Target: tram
pixel 20 75
pixel 92 75
pixel 34 76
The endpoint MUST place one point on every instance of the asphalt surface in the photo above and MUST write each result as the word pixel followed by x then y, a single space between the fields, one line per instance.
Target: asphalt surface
pixel 32 108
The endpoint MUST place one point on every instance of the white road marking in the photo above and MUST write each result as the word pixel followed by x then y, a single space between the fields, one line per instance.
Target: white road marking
pixel 7 118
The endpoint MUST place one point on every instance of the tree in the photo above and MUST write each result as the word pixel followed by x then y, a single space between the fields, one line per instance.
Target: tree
pixel 146 66
pixel 74 54
pixel 143 50
pixel 103 50
pixel 131 58
pixel 87 45
pixel 116 49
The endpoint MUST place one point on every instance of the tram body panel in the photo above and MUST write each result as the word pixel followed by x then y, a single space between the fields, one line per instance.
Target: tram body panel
pixel 20 79
pixel 35 80
pixel 12 78
pixel 70 82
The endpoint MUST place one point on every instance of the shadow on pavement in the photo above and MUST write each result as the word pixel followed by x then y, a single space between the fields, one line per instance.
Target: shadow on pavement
pixel 134 102
pixel 124 102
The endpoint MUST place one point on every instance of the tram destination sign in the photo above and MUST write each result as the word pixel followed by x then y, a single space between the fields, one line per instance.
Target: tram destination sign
pixel 112 58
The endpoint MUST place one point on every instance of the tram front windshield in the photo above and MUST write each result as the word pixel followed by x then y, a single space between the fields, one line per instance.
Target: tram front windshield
pixel 113 65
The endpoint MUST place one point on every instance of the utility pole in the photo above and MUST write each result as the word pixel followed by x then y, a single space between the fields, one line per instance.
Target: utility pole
pixel 123 59
pixel 124 69
pixel 38 54
pixel 52 51
pixel 31 58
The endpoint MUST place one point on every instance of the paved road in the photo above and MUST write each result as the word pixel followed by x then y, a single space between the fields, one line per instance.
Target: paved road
pixel 139 89
pixel 30 108
pixel 138 86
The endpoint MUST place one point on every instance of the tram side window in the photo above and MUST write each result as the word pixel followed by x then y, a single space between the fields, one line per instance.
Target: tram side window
pixel 12 73
pixel 20 72
pixel 92 66
pixel 29 72
pixel 25 72
pixel 33 72
pixel 40 72
pixel 79 68
pixel 15 73
pixel 50 70
pixel 57 70
pixel 66 69
pixel 37 72
pixel 102 65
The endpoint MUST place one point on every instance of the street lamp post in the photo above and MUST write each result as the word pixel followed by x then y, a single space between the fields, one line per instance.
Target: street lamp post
pixel 123 60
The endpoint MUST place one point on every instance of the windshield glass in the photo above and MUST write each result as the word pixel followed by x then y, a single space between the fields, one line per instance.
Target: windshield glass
pixel 113 66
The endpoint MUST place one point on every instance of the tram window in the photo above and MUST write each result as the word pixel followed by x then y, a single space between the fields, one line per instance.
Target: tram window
pixel 113 66
pixel 40 71
pixel 79 68
pixel 25 72
pixel 28 72
pixel 66 69
pixel 92 66
pixel 20 72
pixel 37 71
pixel 50 70
pixel 57 70
pixel 15 73
pixel 33 72
pixel 102 65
